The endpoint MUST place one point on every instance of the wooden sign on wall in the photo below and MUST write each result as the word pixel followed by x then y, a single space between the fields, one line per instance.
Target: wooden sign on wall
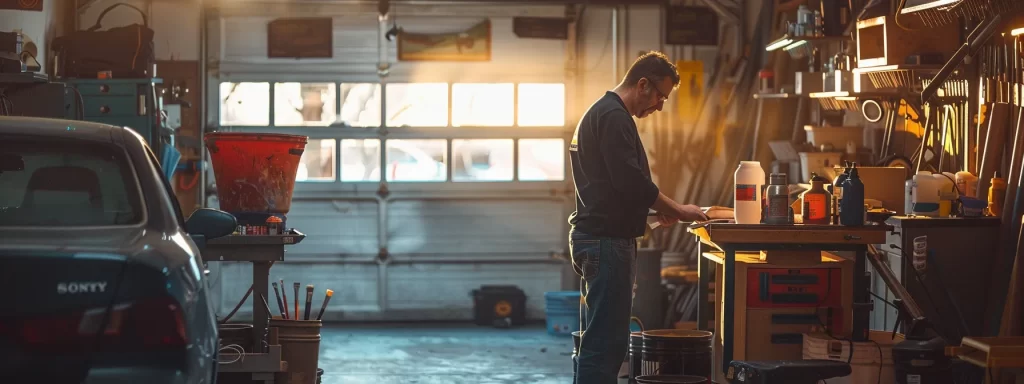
pixel 691 26
pixel 541 27
pixel 300 38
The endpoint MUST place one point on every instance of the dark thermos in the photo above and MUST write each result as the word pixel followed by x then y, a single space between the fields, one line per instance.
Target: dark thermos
pixel 851 208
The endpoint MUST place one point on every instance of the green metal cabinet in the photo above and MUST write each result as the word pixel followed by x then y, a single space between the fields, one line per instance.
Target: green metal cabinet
pixel 125 102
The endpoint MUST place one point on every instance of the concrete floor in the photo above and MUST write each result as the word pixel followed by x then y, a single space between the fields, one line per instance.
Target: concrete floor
pixel 443 354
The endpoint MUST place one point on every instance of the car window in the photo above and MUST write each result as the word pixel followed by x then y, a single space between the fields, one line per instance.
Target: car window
pixel 57 182
pixel 173 198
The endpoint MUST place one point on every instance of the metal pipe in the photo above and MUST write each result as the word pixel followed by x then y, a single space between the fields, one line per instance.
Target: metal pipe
pixel 615 45
pixel 203 99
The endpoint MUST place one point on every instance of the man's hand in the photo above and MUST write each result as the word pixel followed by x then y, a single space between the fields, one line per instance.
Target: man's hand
pixel 666 220
pixel 691 213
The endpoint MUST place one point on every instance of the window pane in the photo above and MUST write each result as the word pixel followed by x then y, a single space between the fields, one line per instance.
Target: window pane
pixel 417 105
pixel 245 104
pixel 416 160
pixel 541 105
pixel 50 182
pixel 482 160
pixel 485 105
pixel 317 163
pixel 360 160
pixel 304 104
pixel 360 105
pixel 541 159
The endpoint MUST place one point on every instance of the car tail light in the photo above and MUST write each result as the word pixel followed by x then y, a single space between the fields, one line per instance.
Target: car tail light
pixel 143 325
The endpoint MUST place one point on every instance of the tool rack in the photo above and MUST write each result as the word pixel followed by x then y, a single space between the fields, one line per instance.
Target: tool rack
pixel 262 251
pixel 730 238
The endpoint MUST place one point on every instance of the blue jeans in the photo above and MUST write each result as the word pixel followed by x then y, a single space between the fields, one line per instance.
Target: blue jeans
pixel 606 268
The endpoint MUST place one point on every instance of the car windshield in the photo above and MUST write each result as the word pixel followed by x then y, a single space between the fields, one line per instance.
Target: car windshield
pixel 51 183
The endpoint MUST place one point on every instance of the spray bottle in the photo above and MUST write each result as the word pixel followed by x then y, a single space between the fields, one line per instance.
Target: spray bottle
pixel 851 208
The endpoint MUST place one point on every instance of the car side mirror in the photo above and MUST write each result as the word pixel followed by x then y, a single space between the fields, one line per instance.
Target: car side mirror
pixel 211 223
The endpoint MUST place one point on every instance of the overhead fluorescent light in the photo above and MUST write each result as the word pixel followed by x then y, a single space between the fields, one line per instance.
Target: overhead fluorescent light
pixel 795 45
pixel 784 41
pixel 1017 32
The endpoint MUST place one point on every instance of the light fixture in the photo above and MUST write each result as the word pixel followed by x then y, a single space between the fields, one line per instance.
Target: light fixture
pixel 1017 32
pixel 782 42
pixel 795 45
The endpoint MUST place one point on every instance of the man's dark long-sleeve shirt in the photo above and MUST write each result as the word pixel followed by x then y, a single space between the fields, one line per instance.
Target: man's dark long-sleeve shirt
pixel 609 168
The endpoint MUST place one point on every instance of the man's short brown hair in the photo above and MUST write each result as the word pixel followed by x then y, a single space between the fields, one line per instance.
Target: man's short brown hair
pixel 654 66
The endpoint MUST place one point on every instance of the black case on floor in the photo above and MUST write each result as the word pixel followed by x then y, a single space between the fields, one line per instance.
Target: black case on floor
pixel 787 371
pixel 499 305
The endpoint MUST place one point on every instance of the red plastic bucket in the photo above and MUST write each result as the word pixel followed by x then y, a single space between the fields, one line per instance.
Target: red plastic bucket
pixel 255 172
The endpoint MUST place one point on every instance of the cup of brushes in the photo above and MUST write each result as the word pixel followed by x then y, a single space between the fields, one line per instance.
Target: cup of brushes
pixel 306 315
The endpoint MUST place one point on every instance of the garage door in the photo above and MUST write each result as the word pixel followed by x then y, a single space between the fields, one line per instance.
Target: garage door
pixel 418 186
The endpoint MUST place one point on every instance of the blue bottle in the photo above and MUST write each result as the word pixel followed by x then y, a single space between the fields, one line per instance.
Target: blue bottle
pixel 851 208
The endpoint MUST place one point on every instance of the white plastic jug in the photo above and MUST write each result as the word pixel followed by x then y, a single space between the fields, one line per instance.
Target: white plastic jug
pixel 926 194
pixel 748 188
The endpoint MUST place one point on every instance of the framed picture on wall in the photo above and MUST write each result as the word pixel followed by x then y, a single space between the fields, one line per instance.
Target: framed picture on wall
pixel 473 44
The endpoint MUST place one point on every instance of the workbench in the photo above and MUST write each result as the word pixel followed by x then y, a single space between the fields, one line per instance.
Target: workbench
pixel 730 238
pixel 262 251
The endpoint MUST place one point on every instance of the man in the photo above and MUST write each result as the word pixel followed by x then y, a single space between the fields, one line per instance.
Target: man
pixel 614 193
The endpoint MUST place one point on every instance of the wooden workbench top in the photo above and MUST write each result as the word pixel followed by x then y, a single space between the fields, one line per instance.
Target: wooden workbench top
pixel 729 233
pixel 755 258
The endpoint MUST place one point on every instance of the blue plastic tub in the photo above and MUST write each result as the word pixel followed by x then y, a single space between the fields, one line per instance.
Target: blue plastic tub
pixel 562 310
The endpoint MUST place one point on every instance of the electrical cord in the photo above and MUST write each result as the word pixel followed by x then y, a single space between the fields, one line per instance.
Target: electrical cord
pixel 234 348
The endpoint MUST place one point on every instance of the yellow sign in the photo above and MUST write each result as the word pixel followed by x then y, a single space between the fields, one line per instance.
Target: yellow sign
pixel 691 90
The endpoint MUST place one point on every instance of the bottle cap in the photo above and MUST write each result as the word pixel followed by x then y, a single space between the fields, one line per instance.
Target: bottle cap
pixel 778 179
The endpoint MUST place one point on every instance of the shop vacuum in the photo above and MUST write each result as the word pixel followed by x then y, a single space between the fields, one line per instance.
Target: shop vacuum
pixel 921 357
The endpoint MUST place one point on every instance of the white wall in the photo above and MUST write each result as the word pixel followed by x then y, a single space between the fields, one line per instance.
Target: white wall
pixel 176 26
pixel 38 27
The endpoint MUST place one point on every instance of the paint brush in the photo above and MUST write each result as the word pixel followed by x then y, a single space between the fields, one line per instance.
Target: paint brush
pixel 309 300
pixel 324 307
pixel 296 313
pixel 266 306
pixel 277 294
pixel 284 299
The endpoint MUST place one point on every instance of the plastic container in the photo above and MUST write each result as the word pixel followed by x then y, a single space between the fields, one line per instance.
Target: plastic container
pixel 817 203
pixel 866 361
pixel 996 194
pixel 562 312
pixel 817 162
pixel 778 211
pixel 677 352
pixel 968 183
pixel 749 187
pixel 947 192
pixel 851 210
pixel 838 137
pixel 255 172
pixel 300 347
pixel 925 194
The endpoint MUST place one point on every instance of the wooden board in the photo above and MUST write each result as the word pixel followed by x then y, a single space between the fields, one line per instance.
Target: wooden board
pixel 716 234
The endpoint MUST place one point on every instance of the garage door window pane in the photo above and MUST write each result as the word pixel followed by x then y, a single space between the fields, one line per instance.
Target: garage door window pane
pixel 360 105
pixel 360 160
pixel 541 160
pixel 317 162
pixel 482 160
pixel 304 104
pixel 245 104
pixel 416 160
pixel 541 105
pixel 417 105
pixel 487 105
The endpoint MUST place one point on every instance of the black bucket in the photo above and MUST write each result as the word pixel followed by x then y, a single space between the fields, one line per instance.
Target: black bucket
pixel 636 344
pixel 677 352
pixel 671 379
pixel 237 334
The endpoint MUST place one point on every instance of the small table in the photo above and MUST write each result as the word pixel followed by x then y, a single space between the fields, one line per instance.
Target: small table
pixel 730 238
pixel 262 251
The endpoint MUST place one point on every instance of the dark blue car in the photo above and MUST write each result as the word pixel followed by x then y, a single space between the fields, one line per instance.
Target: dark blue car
pixel 102 280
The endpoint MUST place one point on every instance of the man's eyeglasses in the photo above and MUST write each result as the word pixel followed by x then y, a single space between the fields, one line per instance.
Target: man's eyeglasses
pixel 662 96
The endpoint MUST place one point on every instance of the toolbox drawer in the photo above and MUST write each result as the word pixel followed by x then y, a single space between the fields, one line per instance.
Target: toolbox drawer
pixel 99 88
pixel 777 334
pixel 111 106
pixel 794 287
